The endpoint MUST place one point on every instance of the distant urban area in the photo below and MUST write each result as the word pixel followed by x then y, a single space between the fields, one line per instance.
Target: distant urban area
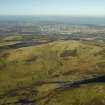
pixel 52 28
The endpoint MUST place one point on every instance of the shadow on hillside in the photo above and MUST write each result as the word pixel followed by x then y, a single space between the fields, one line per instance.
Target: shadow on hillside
pixel 99 79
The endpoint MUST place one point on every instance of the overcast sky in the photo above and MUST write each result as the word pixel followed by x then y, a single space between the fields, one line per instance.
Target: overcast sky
pixel 53 7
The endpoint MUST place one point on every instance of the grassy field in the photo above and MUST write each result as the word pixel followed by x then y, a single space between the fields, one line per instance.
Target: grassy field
pixel 23 72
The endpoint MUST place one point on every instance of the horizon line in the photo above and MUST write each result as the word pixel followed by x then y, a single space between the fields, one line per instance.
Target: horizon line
pixel 52 15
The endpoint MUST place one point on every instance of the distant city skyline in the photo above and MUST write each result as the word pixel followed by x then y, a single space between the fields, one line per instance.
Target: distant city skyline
pixel 53 7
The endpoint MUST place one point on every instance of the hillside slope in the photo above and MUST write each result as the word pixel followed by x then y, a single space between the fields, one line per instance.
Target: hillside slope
pixel 22 70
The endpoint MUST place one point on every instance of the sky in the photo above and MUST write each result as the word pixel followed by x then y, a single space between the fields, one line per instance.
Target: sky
pixel 53 7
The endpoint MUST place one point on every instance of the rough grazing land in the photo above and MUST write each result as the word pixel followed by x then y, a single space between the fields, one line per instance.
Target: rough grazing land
pixel 54 73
